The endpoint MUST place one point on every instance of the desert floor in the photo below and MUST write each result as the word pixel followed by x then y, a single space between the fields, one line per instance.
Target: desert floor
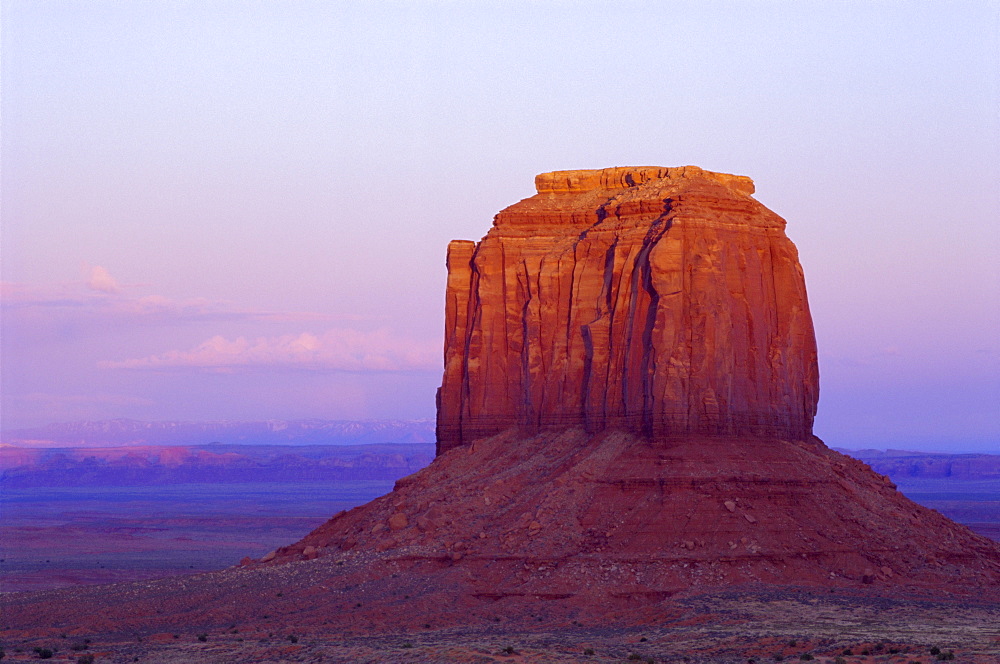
pixel 762 626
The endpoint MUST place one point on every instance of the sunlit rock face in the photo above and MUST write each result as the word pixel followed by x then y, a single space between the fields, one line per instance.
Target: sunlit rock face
pixel 662 301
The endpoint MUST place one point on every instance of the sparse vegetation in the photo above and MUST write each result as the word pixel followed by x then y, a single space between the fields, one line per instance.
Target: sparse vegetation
pixel 588 651
pixel 85 659
pixel 946 656
pixel 203 637
pixel 806 657
pixel 43 653
pixel 935 650
pixel 406 645
pixel 509 650
pixel 293 638
pixel 634 657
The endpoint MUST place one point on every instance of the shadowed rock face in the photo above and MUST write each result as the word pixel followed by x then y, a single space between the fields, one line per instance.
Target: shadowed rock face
pixel 663 301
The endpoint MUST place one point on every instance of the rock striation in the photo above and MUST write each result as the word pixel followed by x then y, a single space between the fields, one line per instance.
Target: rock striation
pixel 662 301
pixel 576 515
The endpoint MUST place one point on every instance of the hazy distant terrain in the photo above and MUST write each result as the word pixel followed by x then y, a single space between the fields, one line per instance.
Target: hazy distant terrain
pixel 963 487
pixel 125 432
pixel 900 464
pixel 61 536
pixel 149 465
pixel 129 506
pixel 103 513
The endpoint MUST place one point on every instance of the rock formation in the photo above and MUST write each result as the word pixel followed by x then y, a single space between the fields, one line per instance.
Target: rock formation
pixel 663 301
pixel 571 514
pixel 629 388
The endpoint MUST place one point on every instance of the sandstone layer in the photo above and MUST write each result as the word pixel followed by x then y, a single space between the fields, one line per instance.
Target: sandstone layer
pixel 663 301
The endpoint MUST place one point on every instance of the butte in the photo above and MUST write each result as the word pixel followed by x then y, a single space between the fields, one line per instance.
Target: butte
pixel 630 381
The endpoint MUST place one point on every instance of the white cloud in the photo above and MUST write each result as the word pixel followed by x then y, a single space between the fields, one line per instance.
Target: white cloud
pixel 333 350
pixel 101 280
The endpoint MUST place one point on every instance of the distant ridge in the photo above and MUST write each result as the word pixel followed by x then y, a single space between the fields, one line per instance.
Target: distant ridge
pixel 126 432
pixel 217 463
pixel 902 464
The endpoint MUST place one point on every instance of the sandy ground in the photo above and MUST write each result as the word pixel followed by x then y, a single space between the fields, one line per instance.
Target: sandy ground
pixel 730 627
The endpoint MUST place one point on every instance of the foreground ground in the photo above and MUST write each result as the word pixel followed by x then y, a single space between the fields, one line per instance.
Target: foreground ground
pixel 727 627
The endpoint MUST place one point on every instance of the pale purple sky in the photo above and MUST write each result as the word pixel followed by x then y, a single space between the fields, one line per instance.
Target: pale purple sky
pixel 239 210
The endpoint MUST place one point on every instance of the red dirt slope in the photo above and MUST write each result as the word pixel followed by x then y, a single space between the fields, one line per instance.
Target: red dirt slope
pixel 570 514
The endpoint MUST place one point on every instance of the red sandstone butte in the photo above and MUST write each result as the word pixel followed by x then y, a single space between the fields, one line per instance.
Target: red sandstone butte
pixel 663 301
pixel 629 388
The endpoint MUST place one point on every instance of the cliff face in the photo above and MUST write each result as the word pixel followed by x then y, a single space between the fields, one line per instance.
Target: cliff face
pixel 663 301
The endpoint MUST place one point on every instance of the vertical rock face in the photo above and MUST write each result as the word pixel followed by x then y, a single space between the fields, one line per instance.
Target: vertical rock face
pixel 662 301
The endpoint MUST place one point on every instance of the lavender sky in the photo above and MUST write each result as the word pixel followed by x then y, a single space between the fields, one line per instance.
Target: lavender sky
pixel 239 210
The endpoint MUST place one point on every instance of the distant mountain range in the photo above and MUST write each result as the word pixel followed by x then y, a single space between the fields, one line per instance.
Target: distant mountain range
pixel 124 432
pixel 213 463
